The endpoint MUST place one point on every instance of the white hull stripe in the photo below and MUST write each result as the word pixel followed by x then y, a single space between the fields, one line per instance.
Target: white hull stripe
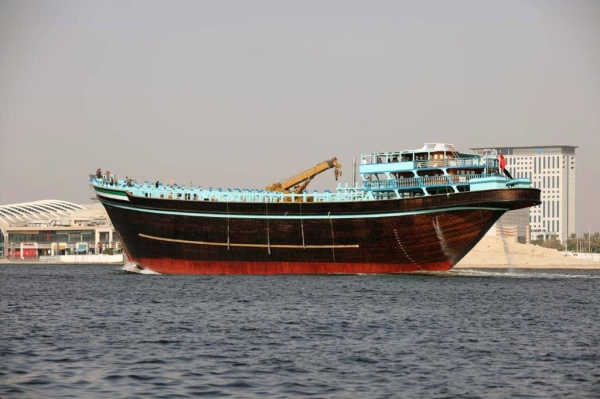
pixel 113 196
pixel 226 244
pixel 303 217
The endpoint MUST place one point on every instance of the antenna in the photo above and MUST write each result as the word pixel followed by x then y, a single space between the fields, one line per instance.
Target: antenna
pixel 353 171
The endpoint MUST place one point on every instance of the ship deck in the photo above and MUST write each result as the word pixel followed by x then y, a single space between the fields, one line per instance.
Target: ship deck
pixel 372 190
pixel 343 193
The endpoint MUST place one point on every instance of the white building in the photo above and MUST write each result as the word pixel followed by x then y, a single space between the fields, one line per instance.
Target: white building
pixel 51 227
pixel 551 169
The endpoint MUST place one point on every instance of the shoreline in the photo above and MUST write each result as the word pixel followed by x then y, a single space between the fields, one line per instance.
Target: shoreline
pixel 505 253
pixel 459 266
pixel 491 252
pixel 31 263
pixel 530 267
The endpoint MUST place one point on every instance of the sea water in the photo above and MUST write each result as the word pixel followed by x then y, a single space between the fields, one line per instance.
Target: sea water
pixel 105 332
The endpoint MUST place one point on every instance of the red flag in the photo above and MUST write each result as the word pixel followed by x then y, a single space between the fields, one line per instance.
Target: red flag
pixel 502 162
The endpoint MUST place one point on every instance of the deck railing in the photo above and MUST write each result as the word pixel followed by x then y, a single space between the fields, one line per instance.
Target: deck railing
pixel 430 163
pixel 343 193
pixel 424 181
pixel 252 195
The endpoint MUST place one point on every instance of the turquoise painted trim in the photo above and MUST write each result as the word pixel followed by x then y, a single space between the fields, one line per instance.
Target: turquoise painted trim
pixel 488 183
pixel 119 195
pixel 386 167
pixel 298 217
pixel 109 191
pixel 519 183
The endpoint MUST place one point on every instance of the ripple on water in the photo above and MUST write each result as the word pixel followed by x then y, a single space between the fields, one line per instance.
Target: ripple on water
pixel 91 331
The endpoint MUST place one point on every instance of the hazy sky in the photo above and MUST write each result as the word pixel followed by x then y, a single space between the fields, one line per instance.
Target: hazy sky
pixel 246 93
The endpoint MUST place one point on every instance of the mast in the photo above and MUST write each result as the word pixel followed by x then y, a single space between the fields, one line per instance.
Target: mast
pixel 353 172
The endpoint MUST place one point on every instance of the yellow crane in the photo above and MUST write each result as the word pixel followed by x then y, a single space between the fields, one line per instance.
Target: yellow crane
pixel 298 183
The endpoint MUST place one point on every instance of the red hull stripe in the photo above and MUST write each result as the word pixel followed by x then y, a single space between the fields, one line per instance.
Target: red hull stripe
pixel 174 266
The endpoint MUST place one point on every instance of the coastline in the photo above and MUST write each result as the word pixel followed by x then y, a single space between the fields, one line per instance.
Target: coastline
pixel 118 259
pixel 494 252
pixel 530 267
pixel 490 253
pixel 31 263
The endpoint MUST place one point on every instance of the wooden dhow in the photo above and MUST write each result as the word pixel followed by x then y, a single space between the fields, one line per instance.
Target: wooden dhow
pixel 415 210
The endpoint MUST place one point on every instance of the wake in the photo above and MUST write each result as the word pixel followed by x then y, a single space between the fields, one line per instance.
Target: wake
pixel 133 267
pixel 512 273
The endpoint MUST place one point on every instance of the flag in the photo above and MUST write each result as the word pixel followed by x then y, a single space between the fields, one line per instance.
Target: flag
pixel 502 162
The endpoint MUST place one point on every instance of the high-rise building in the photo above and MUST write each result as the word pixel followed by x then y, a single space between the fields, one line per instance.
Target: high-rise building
pixel 551 168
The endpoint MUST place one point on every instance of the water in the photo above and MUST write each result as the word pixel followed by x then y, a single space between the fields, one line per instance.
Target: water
pixel 102 332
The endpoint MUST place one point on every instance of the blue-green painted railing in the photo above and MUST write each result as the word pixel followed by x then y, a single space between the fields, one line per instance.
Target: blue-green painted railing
pixel 343 193
pixel 424 181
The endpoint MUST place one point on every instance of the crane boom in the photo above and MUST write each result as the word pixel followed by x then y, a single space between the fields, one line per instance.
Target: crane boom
pixel 299 182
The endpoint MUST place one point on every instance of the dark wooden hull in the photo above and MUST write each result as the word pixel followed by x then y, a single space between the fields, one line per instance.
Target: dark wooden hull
pixel 429 233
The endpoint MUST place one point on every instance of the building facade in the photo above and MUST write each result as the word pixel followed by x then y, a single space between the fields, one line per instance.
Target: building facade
pixel 552 170
pixel 52 228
